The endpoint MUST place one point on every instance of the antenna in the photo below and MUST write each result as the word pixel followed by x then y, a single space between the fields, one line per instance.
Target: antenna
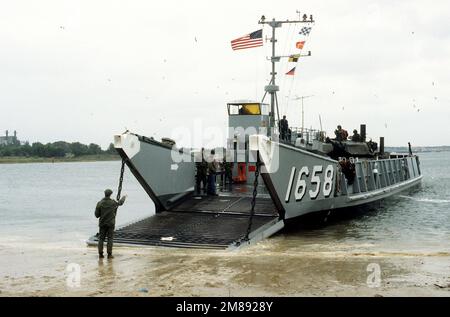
pixel 303 108
pixel 272 88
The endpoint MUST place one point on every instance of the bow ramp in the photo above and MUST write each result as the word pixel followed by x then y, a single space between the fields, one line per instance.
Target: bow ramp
pixel 183 219
pixel 211 222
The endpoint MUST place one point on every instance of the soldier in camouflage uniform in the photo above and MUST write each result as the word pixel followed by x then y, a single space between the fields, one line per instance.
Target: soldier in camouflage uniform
pixel 106 211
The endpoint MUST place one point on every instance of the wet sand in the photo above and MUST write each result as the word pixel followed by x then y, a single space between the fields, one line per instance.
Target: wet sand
pixel 28 269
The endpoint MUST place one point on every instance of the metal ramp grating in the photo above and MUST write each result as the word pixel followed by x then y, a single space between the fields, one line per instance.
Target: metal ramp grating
pixel 181 229
pixel 210 222
pixel 227 204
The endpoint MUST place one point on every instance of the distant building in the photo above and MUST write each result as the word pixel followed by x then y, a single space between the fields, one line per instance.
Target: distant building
pixel 7 139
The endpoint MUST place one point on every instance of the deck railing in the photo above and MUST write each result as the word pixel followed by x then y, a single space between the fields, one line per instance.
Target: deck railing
pixel 307 135
pixel 377 174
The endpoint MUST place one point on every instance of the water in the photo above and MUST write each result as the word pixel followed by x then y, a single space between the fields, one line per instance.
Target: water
pixel 54 204
pixel 417 221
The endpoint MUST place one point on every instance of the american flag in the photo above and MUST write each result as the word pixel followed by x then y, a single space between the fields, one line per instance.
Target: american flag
pixel 253 39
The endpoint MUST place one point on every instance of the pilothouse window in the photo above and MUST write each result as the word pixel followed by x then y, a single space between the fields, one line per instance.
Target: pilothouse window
pixel 247 109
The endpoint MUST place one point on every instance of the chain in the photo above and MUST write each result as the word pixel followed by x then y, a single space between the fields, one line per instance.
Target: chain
pixel 122 171
pixel 255 192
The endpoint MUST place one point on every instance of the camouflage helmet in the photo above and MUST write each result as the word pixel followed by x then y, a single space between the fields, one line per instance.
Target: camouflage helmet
pixel 108 192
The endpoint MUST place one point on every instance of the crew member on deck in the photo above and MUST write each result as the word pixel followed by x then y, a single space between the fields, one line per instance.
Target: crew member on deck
pixel 212 168
pixel 200 177
pixel 228 167
pixel 356 137
pixel 341 134
pixel 284 128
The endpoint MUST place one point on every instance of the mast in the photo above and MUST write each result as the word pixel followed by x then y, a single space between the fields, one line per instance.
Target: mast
pixel 272 88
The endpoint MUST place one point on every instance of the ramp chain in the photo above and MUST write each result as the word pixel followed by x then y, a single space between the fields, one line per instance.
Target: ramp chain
pixel 255 193
pixel 119 189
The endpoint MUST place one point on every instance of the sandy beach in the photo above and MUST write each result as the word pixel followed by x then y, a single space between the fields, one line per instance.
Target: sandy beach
pixel 261 270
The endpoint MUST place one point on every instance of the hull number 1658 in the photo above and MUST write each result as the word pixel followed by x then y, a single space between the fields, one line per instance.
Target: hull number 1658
pixel 315 182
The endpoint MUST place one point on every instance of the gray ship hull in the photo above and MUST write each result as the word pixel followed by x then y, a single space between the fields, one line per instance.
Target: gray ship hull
pixel 299 182
pixel 302 182
pixel 151 162
pixel 296 183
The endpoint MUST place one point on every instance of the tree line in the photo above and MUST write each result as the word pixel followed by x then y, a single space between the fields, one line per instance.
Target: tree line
pixel 55 149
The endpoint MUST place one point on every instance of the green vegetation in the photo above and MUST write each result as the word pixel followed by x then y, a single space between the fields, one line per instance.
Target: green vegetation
pixel 55 152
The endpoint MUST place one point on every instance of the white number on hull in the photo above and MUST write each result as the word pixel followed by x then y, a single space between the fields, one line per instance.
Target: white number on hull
pixel 328 184
pixel 301 184
pixel 291 180
pixel 300 189
pixel 315 179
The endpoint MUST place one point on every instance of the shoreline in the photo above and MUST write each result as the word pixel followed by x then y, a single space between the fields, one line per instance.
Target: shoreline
pixel 83 158
pixel 192 273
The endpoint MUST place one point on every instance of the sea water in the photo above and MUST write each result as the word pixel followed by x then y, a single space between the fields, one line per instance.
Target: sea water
pixel 54 203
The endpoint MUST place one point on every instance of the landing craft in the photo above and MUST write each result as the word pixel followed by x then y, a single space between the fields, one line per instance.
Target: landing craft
pixel 302 172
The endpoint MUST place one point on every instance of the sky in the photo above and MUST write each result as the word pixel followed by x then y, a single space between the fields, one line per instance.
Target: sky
pixel 87 70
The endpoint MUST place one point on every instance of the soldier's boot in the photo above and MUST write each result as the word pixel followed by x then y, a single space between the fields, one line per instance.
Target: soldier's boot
pixel 110 256
pixel 101 256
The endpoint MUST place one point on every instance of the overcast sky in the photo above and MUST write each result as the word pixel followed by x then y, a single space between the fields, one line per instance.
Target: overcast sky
pixel 86 70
